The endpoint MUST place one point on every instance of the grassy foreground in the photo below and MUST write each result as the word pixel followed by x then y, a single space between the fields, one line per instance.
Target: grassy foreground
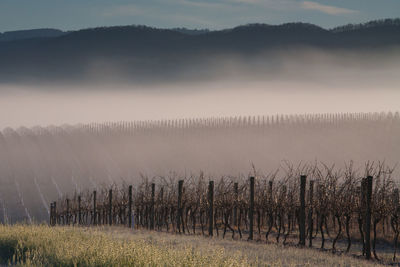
pixel 69 246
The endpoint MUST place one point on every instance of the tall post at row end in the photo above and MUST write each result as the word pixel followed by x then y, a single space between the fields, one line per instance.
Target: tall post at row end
pixel 368 218
pixel 396 198
pixel 310 214
pixel 251 208
pixel 210 208
pixel 302 215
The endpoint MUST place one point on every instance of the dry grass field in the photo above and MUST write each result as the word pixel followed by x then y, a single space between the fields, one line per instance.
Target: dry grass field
pixel 103 246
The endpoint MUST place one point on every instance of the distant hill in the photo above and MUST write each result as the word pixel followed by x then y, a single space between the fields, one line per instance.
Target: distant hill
pixel 376 24
pixel 191 31
pixel 141 53
pixel 28 34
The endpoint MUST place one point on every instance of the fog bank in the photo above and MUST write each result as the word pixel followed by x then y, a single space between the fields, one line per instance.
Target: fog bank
pixel 25 107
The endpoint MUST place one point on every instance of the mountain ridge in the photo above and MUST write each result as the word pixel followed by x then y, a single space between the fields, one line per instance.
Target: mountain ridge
pixel 51 32
pixel 146 53
pixel 32 33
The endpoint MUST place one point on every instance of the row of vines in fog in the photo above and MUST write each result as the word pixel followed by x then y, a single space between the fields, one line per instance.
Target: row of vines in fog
pixel 292 204
pixel 41 164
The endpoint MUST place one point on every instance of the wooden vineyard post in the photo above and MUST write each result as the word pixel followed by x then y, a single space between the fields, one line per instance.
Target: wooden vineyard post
pixel 251 209
pixel 51 214
pixel 110 217
pixel 94 208
pixel 130 207
pixel 79 211
pixel 160 215
pixel 310 214
pixel 67 212
pixel 302 217
pixel 55 213
pixel 236 191
pixel 179 213
pixel 363 201
pixel 153 189
pixel 270 184
pixel 270 209
pixel 396 208
pixel 396 198
pixel 210 208
pixel 368 218
pixel 270 199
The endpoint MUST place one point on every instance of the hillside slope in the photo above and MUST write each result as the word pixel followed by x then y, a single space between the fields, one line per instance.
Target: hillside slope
pixel 139 53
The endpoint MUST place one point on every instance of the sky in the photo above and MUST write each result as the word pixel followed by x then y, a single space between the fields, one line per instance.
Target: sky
pixel 211 14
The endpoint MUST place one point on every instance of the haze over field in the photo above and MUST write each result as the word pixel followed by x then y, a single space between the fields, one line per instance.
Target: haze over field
pixel 295 81
pixel 26 108
pixel 57 90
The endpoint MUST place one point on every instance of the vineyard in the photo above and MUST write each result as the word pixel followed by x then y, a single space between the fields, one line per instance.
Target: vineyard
pixel 39 165
pixel 335 204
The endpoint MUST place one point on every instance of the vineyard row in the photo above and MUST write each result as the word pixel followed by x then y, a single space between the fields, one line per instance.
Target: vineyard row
pixel 308 203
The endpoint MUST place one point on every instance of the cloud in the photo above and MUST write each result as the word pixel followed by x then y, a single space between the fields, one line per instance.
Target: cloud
pixel 282 5
pixel 201 4
pixel 134 9
pixel 331 10
pixel 167 18
pixel 123 10
pixel 247 1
